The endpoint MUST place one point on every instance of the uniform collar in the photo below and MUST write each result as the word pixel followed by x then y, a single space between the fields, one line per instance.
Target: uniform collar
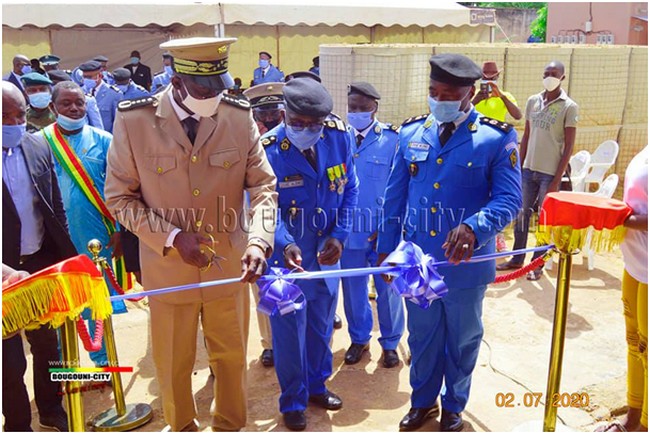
pixel 180 111
pixel 461 119
pixel 365 132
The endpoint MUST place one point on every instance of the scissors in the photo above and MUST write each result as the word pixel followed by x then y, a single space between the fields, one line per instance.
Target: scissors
pixel 214 259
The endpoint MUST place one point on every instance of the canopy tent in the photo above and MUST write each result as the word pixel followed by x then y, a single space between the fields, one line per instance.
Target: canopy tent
pixel 288 29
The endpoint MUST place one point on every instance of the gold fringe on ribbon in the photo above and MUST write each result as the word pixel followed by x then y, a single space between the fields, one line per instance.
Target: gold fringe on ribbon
pixel 569 240
pixel 53 298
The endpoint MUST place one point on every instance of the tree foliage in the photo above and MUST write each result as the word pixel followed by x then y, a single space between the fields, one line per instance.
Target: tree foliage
pixel 538 27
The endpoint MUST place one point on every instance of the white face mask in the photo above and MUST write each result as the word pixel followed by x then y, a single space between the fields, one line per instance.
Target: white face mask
pixel 203 107
pixel 551 83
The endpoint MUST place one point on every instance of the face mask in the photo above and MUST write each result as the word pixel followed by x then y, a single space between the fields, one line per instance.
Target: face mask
pixel 40 100
pixel 551 83
pixel 122 87
pixel 202 107
pixel 169 70
pixel 304 139
pixel 360 121
pixel 70 124
pixel 263 63
pixel 11 135
pixel 135 60
pixel 89 84
pixel 26 69
pixel 445 111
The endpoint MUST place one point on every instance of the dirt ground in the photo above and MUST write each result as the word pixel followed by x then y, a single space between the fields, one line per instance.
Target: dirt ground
pixel 514 359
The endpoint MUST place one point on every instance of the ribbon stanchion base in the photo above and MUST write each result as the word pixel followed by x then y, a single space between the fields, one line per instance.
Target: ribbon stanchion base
pixel 136 415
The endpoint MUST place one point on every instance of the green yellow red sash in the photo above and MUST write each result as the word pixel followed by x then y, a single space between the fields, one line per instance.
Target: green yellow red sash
pixel 70 162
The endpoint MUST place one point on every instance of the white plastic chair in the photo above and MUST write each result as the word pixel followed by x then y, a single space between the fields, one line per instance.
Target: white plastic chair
pixel 607 189
pixel 601 161
pixel 579 167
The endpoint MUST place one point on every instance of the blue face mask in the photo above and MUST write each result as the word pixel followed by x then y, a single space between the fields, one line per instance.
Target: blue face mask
pixel 169 70
pixel 89 84
pixel 304 139
pixel 40 100
pixel 11 135
pixel 135 60
pixel 26 69
pixel 122 87
pixel 263 63
pixel 445 111
pixel 360 121
pixel 70 124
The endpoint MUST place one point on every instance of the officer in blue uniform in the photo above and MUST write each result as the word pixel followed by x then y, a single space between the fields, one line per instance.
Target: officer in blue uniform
pixel 454 185
pixel 374 144
pixel 318 189
pixel 163 78
pixel 107 96
pixel 129 89
pixel 266 72
pixel 50 62
pixel 106 76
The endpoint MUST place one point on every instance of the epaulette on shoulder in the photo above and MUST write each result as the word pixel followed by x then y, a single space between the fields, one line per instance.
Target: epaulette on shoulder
pixel 335 124
pixel 503 126
pixel 393 127
pixel 239 101
pixel 268 141
pixel 115 88
pixel 130 104
pixel 415 119
pixel 333 116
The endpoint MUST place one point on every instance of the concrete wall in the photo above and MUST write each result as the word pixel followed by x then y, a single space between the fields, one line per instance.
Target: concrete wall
pixel 608 16
pixel 514 24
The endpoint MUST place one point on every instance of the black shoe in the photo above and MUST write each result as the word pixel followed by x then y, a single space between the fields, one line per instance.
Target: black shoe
pixel 328 400
pixel 338 322
pixel 354 353
pixel 451 422
pixel 267 358
pixel 416 417
pixel 58 422
pixel 509 265
pixel 295 420
pixel 391 359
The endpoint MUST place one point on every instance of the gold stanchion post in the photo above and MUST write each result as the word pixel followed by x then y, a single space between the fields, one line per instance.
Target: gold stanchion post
pixel 70 353
pixel 123 417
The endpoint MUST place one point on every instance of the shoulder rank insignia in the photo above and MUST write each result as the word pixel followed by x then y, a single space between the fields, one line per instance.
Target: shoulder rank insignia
pixel 503 126
pixel 377 129
pixel 268 141
pixel 115 88
pixel 130 104
pixel 335 124
pixel 284 145
pixel 414 119
pixel 393 127
pixel 334 117
pixel 239 101
pixel 472 127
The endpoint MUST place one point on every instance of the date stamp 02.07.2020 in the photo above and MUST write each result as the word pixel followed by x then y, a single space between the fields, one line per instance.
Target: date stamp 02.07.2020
pixel 536 399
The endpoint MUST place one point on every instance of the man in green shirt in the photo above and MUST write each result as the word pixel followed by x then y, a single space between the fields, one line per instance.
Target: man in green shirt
pixel 39 92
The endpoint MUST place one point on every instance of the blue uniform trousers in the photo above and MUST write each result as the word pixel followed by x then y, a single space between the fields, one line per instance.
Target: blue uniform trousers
pixel 358 311
pixel 301 347
pixel 444 341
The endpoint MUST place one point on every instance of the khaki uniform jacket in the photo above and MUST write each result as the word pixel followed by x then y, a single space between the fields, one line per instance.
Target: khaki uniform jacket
pixel 157 181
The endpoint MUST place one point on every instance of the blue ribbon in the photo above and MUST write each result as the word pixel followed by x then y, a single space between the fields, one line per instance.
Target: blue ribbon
pixel 417 279
pixel 278 294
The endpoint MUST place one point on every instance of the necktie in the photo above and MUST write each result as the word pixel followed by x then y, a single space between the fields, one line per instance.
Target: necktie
pixel 359 140
pixel 190 126
pixel 263 73
pixel 447 130
pixel 310 155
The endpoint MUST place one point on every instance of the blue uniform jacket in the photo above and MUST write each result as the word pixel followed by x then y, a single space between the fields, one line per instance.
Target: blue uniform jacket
pixel 160 81
pixel 107 99
pixel 373 161
pixel 92 113
pixel 134 91
pixel 474 179
pixel 274 75
pixel 311 207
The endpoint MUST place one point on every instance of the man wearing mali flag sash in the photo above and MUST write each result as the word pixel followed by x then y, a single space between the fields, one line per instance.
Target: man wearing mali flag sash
pixel 80 160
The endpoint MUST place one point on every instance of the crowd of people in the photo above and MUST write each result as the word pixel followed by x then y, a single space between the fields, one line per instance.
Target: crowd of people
pixel 163 156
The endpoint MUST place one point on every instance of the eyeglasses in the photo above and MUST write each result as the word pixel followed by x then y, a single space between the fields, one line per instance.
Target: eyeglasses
pixel 312 127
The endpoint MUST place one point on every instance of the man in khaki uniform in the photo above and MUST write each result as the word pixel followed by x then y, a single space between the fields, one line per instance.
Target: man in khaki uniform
pixel 177 171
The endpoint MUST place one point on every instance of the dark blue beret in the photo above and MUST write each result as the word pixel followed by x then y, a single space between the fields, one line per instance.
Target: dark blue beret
pixel 307 97
pixel 91 65
pixel 363 88
pixel 100 58
pixel 121 74
pixel 304 74
pixel 454 69
pixel 49 59
pixel 35 79
pixel 58 75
